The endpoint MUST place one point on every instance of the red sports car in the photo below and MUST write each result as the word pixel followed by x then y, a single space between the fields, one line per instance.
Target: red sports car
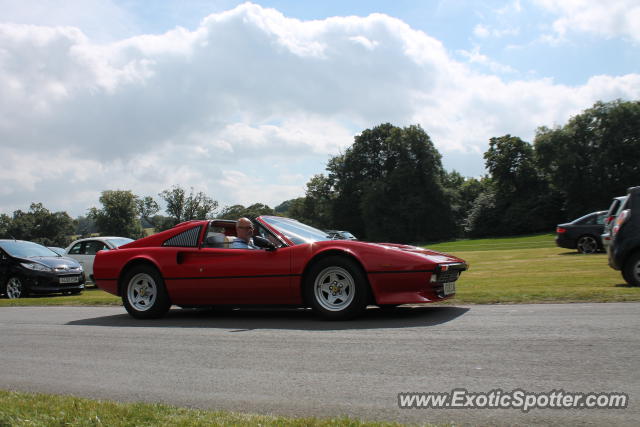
pixel 193 264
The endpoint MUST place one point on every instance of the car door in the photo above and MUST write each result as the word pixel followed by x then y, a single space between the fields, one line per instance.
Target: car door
pixel 232 276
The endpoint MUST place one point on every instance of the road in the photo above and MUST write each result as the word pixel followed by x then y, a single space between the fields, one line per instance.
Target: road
pixel 288 362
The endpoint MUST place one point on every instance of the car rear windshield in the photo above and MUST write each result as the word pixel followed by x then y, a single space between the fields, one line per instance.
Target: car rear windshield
pixel 22 249
pixel 119 241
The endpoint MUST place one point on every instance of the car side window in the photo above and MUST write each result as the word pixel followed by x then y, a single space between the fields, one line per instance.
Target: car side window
pixel 93 246
pixel 76 249
pixel 600 219
pixel 590 220
pixel 187 239
pixel 262 232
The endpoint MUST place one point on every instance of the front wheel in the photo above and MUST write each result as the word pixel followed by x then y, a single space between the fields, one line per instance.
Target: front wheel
pixel 587 245
pixel 631 270
pixel 144 294
pixel 336 288
pixel 15 288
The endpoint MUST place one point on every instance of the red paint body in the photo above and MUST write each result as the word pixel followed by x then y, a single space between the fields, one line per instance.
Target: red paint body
pixel 200 275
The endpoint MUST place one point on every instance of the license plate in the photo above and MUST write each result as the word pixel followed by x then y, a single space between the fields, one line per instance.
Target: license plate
pixel 69 279
pixel 449 288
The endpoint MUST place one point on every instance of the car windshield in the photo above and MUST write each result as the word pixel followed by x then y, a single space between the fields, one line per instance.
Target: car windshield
pixel 347 235
pixel 119 241
pixel 22 249
pixel 296 231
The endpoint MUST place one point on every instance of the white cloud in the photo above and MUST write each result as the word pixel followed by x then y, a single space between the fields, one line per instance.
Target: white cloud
pixel 475 57
pixel 613 18
pixel 246 107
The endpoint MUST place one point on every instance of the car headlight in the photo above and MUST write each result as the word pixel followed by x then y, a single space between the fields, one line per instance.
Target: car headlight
pixel 34 266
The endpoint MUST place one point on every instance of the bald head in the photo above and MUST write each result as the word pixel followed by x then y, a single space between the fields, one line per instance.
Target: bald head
pixel 244 229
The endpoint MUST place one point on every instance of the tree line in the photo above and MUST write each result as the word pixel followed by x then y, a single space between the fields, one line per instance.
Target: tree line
pixel 390 185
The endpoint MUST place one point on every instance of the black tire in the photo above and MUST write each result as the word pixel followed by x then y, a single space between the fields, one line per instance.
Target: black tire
pixel 15 288
pixel 587 244
pixel 336 288
pixel 144 295
pixel 631 270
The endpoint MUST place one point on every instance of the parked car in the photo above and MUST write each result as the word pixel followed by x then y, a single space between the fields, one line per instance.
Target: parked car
pixel 341 234
pixel 614 209
pixel 27 267
pixel 84 250
pixel 191 265
pixel 583 233
pixel 624 252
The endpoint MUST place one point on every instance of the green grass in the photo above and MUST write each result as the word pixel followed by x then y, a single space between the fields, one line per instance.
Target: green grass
pixel 525 269
pixel 496 244
pixel 532 269
pixel 90 296
pixel 27 409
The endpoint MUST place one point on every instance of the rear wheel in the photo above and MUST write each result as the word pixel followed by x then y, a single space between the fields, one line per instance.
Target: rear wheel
pixel 15 288
pixel 144 294
pixel 587 245
pixel 631 270
pixel 337 288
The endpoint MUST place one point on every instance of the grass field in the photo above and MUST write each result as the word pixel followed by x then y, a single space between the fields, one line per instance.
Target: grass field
pixel 45 410
pixel 533 269
pixel 526 269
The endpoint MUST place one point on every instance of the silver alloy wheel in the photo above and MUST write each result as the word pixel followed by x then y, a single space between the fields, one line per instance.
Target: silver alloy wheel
pixel 14 288
pixel 334 288
pixel 587 245
pixel 142 291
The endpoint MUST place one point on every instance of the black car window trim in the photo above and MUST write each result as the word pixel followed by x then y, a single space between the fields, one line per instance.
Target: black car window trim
pixel 187 239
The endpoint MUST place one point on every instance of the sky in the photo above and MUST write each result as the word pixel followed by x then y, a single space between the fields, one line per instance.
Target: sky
pixel 246 101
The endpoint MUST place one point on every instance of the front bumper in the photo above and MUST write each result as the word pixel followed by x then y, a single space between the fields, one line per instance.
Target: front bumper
pixel 44 282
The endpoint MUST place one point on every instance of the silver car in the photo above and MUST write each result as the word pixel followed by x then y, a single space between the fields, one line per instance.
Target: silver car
pixel 84 250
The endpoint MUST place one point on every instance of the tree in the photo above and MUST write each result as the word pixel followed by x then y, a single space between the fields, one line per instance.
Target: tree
pixel 592 158
pixel 38 225
pixel 85 226
pixel 517 201
pixel 239 211
pixel 119 214
pixel 389 186
pixel 293 208
pixel 182 207
pixel 462 193
pixel 148 208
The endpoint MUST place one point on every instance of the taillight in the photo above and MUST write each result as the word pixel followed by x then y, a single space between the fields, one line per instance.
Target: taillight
pixel 608 220
pixel 621 219
pixel 561 230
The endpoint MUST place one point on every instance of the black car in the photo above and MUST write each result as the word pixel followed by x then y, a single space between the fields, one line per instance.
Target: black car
pixel 27 267
pixel 624 252
pixel 583 233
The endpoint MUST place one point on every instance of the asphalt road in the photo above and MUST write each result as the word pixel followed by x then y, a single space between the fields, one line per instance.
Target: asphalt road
pixel 291 363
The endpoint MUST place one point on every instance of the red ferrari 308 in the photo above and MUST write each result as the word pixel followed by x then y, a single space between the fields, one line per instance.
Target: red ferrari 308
pixel 193 265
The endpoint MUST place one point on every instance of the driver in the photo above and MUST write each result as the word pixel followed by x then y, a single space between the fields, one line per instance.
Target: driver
pixel 244 232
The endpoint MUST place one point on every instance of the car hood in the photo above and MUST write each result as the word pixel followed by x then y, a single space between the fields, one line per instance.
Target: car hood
pixel 54 262
pixel 431 255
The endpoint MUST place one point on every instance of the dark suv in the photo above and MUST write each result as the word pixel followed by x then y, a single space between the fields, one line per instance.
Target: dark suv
pixel 624 253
